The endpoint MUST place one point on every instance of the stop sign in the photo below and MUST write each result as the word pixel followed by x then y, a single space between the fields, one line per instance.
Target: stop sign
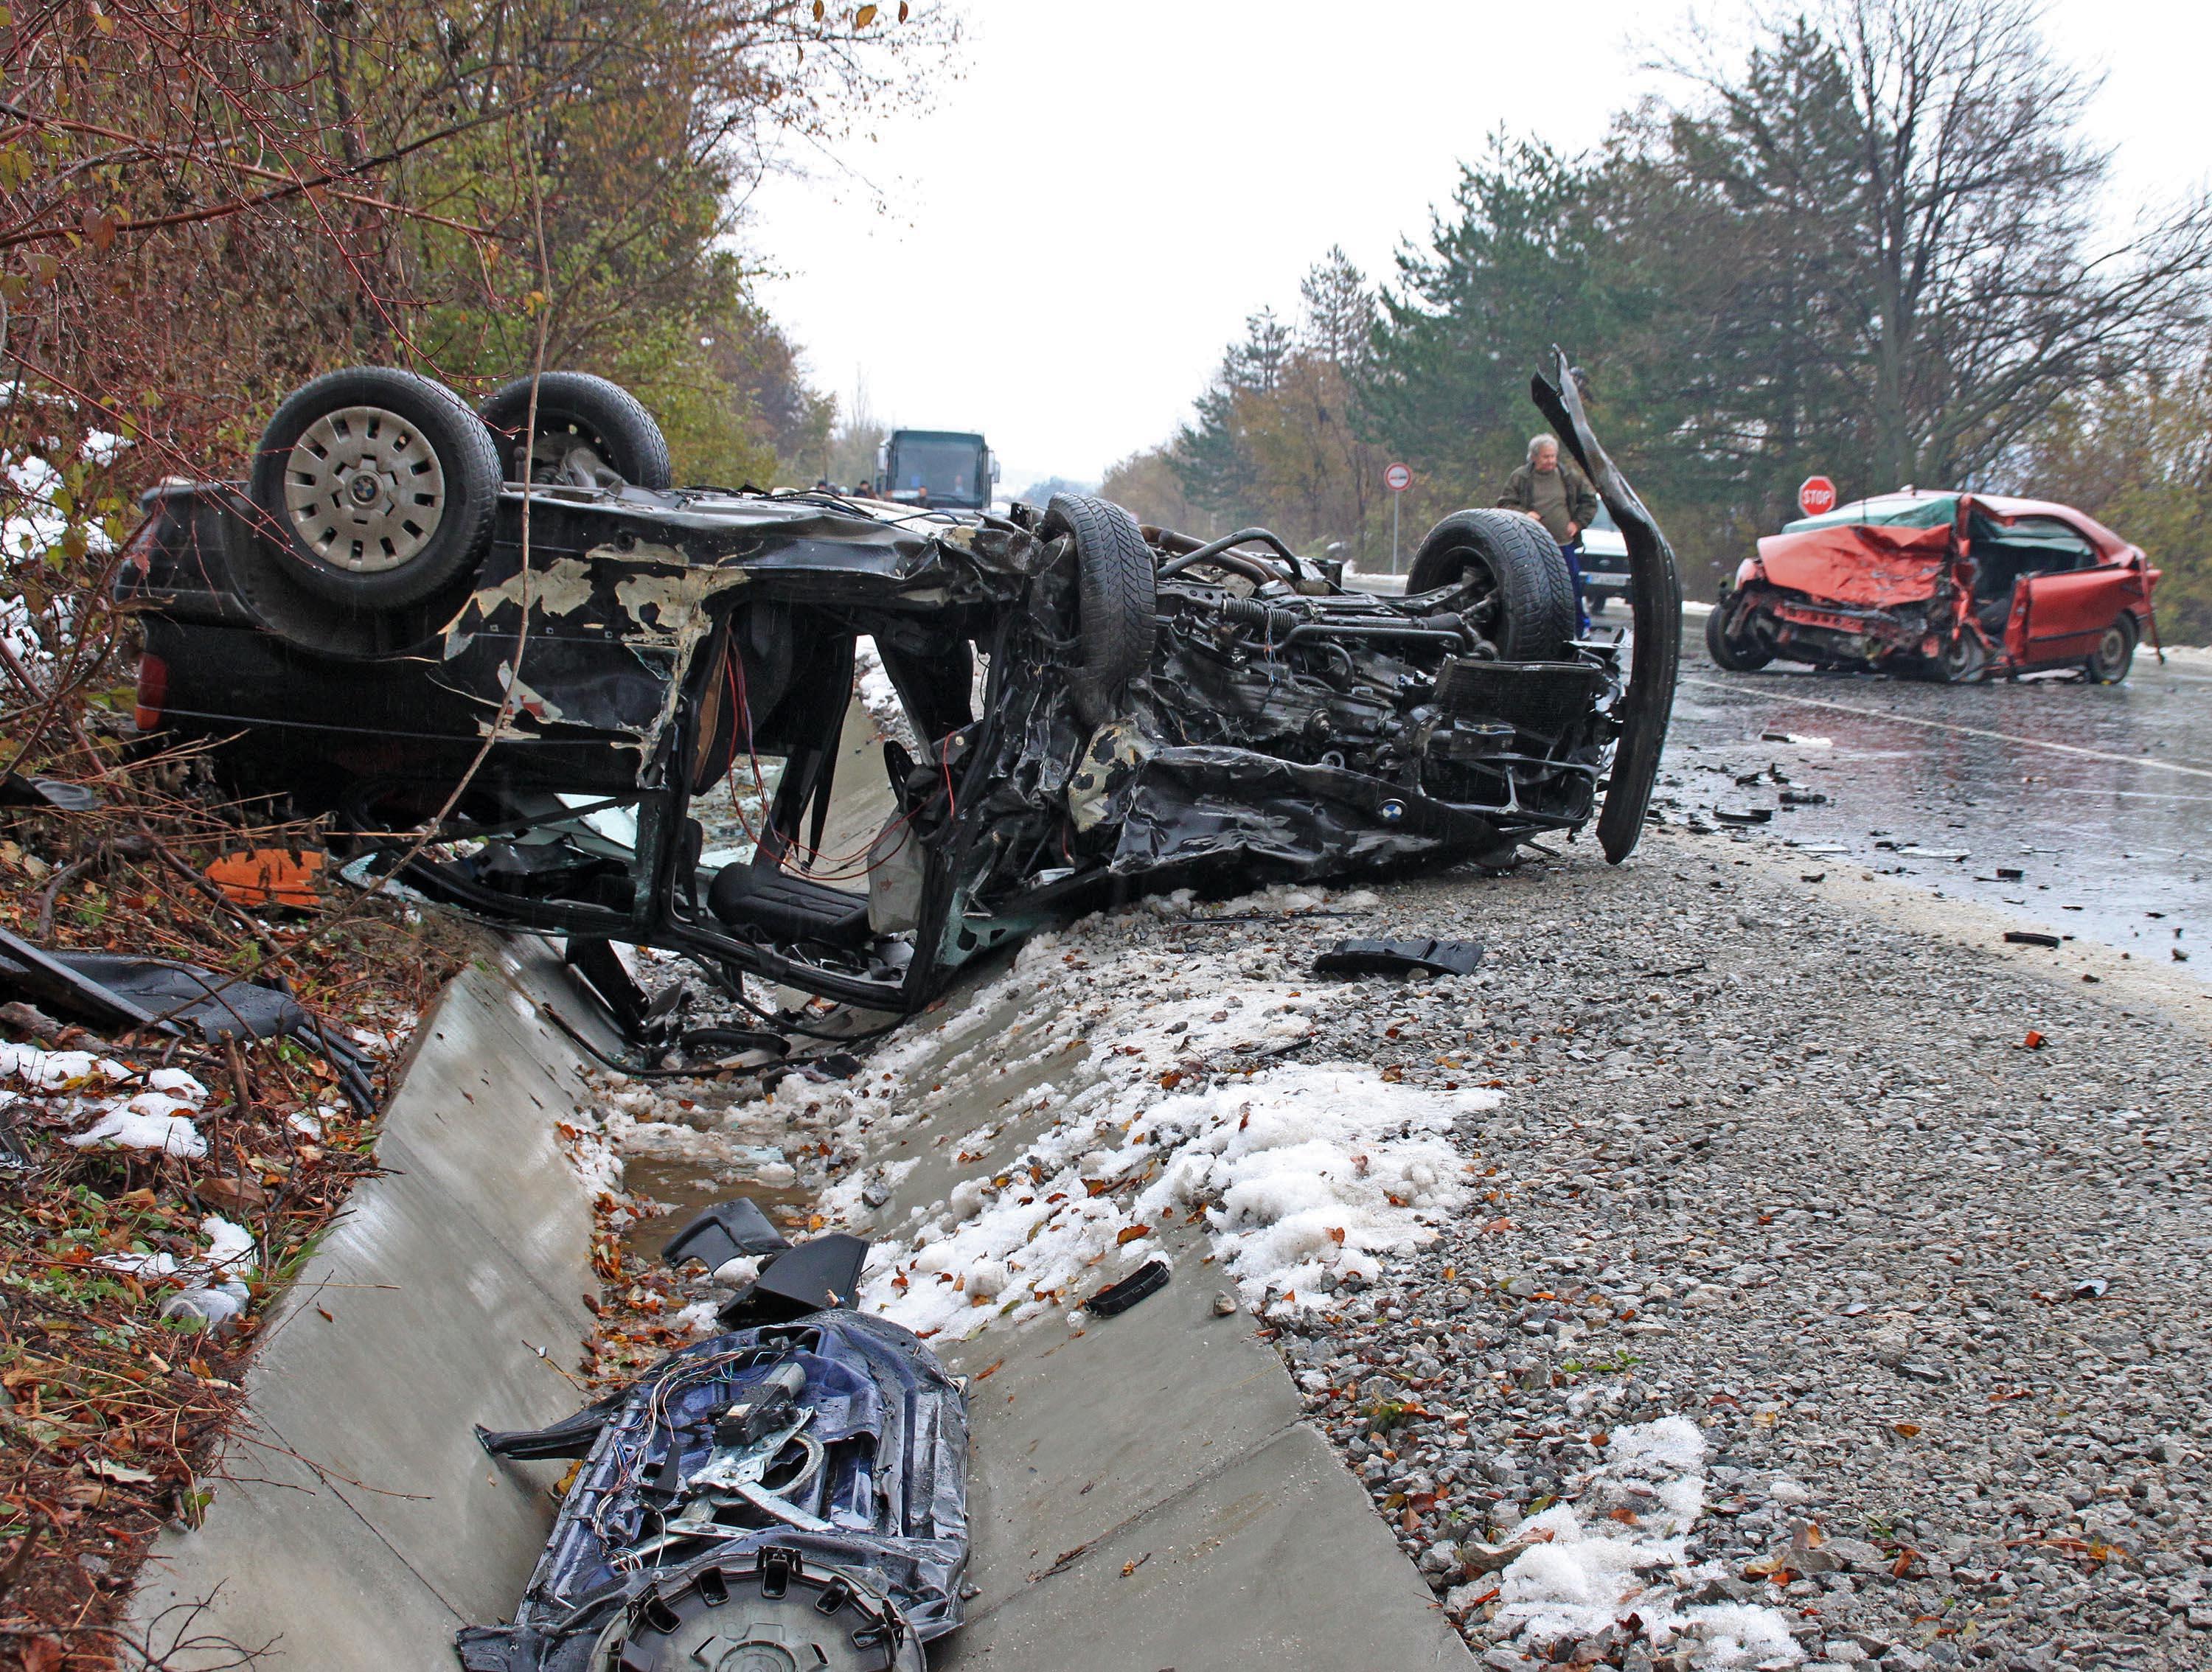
pixel 1817 497
pixel 1399 479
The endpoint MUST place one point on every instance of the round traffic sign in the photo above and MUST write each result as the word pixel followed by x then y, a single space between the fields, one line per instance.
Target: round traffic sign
pixel 1399 479
pixel 1817 497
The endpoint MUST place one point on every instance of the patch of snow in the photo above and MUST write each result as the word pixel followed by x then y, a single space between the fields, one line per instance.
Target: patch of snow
pixel 177 1084
pixel 134 1128
pixel 1306 1174
pixel 1622 1549
pixel 698 1319
pixel 140 1265
pixel 230 1247
pixel 878 695
pixel 1302 1174
pixel 57 1071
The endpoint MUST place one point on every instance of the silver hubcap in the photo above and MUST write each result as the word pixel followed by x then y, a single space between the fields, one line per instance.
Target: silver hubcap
pixel 365 489
pixel 2113 647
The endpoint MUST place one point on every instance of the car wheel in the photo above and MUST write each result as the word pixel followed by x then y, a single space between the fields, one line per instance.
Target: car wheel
pixel 2115 654
pixel 1524 593
pixel 590 433
pixel 1964 661
pixel 1116 600
pixel 376 487
pixel 1746 655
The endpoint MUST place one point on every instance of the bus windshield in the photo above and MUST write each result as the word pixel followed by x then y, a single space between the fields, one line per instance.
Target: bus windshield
pixel 946 469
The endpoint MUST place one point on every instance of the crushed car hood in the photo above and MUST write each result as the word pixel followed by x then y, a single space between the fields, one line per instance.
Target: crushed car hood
pixel 1876 566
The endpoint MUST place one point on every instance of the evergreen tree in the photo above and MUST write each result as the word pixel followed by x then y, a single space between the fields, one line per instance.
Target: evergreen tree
pixel 1508 272
pixel 1338 324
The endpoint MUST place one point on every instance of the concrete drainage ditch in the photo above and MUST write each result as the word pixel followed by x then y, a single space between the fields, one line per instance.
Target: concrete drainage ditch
pixel 1145 1492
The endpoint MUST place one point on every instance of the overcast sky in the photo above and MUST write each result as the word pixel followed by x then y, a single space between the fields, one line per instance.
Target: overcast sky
pixel 1058 251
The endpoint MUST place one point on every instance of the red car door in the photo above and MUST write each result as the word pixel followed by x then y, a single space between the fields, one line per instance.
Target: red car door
pixel 2059 618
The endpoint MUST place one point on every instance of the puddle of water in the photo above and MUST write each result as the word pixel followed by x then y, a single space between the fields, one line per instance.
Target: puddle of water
pixel 680 1188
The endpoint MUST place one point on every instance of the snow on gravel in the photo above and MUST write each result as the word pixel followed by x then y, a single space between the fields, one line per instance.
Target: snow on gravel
pixel 1581 1571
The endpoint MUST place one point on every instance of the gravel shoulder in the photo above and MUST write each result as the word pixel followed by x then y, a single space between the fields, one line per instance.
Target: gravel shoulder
pixel 1786 1165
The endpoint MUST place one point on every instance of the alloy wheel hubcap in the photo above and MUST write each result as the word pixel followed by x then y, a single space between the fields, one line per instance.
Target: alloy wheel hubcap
pixel 365 489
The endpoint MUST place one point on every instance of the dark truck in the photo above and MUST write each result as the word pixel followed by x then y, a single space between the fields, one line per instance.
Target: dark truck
pixel 508 668
pixel 948 470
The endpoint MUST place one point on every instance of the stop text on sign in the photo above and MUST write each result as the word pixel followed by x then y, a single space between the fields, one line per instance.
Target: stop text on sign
pixel 1817 497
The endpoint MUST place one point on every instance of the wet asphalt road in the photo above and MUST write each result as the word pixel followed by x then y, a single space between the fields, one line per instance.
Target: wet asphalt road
pixel 2100 796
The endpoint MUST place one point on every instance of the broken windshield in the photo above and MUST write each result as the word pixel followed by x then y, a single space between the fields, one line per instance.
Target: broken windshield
pixel 1885 511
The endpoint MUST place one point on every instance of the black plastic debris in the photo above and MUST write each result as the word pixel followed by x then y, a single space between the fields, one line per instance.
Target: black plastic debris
pixel 2030 937
pixel 48 795
pixel 786 1496
pixel 825 1272
pixel 2011 873
pixel 1748 816
pixel 1116 1298
pixel 1804 798
pixel 1401 958
pixel 724 1231
pixel 115 990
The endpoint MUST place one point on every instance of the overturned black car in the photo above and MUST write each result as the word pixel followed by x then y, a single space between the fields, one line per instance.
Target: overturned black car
pixel 506 653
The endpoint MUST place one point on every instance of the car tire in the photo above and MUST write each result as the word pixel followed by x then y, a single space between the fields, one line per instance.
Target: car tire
pixel 588 412
pixel 1727 653
pixel 1964 661
pixel 2108 663
pixel 1528 610
pixel 376 488
pixel 1117 601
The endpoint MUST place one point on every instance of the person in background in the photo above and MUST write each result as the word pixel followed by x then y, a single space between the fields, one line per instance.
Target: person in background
pixel 1555 495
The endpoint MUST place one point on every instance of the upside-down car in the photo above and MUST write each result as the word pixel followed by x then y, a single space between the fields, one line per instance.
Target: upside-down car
pixel 409 599
pixel 1954 587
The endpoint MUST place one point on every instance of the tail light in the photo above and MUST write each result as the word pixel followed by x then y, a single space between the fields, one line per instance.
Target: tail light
pixel 153 692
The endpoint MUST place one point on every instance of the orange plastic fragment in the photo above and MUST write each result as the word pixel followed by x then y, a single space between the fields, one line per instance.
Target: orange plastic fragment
pixel 268 876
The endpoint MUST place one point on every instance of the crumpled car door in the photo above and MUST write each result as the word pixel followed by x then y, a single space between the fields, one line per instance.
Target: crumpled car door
pixel 2059 618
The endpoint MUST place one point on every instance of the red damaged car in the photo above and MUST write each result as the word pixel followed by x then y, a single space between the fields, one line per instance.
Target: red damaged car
pixel 1954 586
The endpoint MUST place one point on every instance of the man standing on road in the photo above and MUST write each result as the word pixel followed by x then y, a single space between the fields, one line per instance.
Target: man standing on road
pixel 1555 496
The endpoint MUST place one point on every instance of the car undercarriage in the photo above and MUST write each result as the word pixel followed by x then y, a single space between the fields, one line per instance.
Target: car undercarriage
pixel 1093 710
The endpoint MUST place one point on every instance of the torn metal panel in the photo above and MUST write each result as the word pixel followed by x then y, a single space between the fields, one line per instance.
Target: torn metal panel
pixel 1643 710
pixel 1222 815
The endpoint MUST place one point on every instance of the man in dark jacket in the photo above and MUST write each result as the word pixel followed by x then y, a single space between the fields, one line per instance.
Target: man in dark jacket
pixel 1556 496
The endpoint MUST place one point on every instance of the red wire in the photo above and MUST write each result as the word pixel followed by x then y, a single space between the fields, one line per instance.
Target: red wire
pixel 836 870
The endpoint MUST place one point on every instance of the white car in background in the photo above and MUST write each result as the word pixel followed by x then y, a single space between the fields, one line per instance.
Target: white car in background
pixel 1605 561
